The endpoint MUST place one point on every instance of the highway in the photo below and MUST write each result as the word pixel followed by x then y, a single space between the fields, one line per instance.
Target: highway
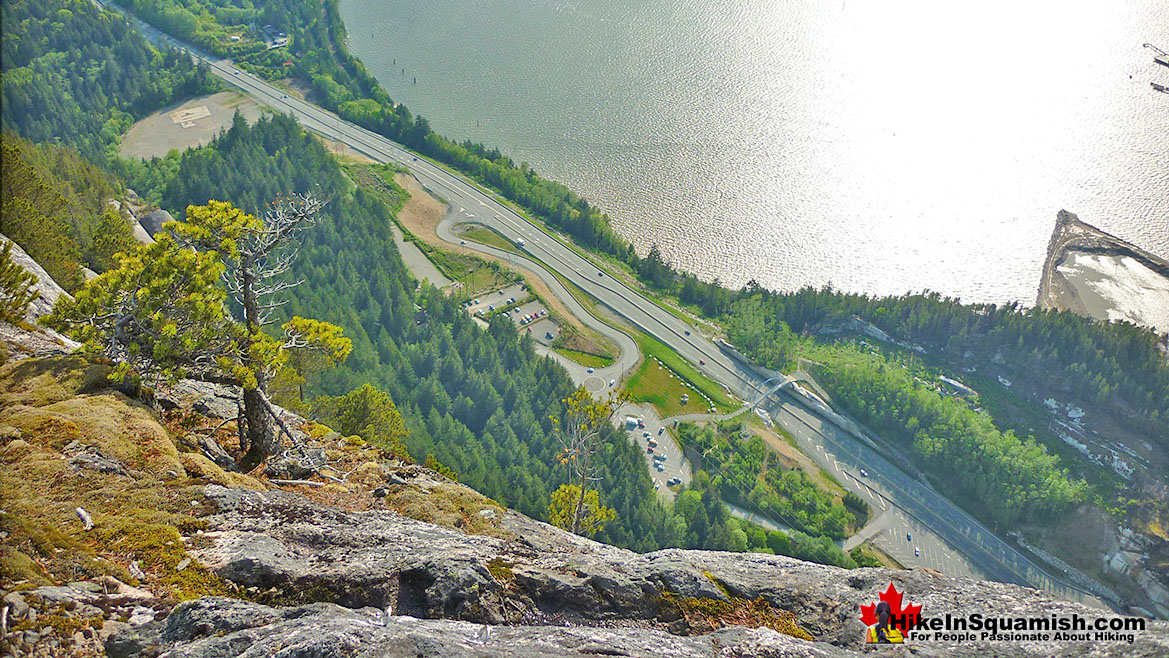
pixel 930 517
pixel 994 557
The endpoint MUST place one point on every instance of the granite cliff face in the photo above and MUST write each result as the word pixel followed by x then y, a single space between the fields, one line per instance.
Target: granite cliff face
pixel 399 586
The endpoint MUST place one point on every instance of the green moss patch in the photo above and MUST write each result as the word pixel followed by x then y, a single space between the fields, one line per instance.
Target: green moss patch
pixel 450 506
pixel 53 408
pixel 703 615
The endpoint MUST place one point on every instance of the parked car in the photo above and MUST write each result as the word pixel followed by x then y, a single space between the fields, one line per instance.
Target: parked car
pixel 660 430
pixel 650 450
pixel 641 423
pixel 908 537
pixel 916 551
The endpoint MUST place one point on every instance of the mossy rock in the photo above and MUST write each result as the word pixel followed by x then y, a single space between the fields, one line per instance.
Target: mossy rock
pixel 451 506
pixel 45 404
pixel 198 466
pixel 38 382
pixel 704 615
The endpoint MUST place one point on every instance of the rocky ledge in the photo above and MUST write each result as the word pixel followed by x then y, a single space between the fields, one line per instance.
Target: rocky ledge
pixel 389 585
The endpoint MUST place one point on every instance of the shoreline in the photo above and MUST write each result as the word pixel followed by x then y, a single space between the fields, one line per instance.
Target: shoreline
pixel 1098 275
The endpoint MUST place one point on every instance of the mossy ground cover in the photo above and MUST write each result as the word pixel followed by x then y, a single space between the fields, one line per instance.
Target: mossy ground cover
pixel 152 511
pixel 57 407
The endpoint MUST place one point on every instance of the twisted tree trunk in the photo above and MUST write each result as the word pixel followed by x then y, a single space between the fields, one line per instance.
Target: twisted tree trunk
pixel 262 438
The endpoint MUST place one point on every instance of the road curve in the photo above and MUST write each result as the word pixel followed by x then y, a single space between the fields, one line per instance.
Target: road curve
pixel 628 347
pixel 469 202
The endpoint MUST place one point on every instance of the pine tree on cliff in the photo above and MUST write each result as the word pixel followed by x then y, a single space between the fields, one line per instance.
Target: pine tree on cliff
pixel 162 313
pixel 574 506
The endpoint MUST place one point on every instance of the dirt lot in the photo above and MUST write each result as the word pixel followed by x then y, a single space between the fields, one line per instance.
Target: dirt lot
pixel 188 124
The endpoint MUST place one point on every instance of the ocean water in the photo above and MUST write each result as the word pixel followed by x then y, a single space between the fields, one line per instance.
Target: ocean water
pixel 883 146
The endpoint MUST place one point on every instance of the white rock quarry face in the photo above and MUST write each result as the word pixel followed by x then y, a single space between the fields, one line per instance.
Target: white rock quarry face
pixel 1119 288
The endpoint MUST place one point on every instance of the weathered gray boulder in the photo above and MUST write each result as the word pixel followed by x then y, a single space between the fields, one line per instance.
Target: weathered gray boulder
pixel 543 592
pixel 83 457
pixel 153 220
pixel 206 398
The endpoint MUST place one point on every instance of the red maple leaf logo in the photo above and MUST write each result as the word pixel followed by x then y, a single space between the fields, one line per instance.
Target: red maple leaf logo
pixel 900 618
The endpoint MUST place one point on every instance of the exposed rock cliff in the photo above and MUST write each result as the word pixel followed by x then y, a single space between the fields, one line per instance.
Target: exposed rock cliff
pixel 540 591
pixel 19 342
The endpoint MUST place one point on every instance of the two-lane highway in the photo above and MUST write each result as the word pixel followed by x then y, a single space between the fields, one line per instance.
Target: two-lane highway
pixel 469 202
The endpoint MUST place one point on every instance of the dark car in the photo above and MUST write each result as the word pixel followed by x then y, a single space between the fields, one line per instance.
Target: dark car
pixel 649 449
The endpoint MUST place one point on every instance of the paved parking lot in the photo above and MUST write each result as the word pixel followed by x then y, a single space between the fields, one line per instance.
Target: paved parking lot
pixel 485 301
pixel 673 466
pixel 543 331
pixel 531 308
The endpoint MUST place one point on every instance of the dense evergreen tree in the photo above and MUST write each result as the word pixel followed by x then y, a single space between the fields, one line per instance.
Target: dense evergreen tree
pixel 78 75
pixel 56 206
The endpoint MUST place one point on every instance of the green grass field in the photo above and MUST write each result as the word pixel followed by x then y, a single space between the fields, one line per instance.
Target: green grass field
pixel 652 383
pixel 653 348
pixel 584 358
pixel 489 237
pixel 663 388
